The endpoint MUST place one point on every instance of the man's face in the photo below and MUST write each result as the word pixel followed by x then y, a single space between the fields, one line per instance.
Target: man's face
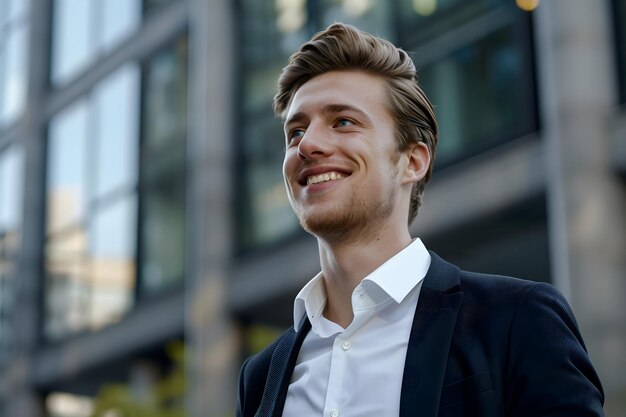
pixel 341 164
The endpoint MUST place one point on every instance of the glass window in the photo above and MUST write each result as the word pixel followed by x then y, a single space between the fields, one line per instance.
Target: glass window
pixel 82 29
pixel 112 262
pixel 120 18
pixel 163 210
pixel 421 20
pixel 92 207
pixel 116 105
pixel 10 223
pixel 71 37
pixel 166 98
pixel 371 16
pixel 480 95
pixel 13 59
pixel 67 165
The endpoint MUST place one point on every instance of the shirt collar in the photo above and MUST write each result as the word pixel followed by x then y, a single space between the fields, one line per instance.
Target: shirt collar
pixel 394 279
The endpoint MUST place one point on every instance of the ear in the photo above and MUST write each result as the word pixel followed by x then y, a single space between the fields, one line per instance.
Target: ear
pixel 417 161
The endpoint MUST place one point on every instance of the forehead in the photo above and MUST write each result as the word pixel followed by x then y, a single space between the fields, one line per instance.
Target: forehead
pixel 350 88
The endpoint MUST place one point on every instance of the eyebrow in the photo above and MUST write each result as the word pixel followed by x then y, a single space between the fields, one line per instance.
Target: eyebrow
pixel 329 108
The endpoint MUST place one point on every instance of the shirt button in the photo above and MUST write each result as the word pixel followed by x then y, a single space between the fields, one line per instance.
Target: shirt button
pixel 346 345
pixel 334 413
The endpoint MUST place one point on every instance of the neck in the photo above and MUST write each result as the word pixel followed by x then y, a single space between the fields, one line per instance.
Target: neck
pixel 345 264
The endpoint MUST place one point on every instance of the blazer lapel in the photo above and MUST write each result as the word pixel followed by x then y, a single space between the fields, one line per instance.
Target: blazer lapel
pixel 429 342
pixel 280 370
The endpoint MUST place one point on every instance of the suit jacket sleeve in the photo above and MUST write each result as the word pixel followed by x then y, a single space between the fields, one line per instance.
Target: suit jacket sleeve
pixel 548 370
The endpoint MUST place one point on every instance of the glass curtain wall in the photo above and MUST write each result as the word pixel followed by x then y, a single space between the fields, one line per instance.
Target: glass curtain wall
pixel 474 61
pixel 115 202
pixel 91 206
pixel 83 30
pixel 14 15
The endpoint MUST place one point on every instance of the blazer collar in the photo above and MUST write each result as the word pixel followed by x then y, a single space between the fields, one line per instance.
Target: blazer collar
pixel 429 342
pixel 280 370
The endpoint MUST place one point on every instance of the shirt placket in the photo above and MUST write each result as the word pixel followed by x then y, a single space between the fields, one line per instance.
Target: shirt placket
pixel 343 346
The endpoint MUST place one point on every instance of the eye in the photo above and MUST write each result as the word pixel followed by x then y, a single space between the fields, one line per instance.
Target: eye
pixel 294 134
pixel 343 122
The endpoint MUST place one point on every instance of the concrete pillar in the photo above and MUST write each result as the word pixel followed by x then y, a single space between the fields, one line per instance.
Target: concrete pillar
pixel 586 199
pixel 212 340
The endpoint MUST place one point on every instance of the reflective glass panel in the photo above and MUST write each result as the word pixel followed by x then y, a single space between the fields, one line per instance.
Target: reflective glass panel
pixel 67 284
pixel 163 211
pixel 165 113
pixel 116 102
pixel 72 37
pixel 112 261
pixel 163 231
pixel 368 15
pixel 67 168
pixel 421 20
pixel 120 18
pixel 479 94
pixel 11 185
pixel 84 29
pixel 14 62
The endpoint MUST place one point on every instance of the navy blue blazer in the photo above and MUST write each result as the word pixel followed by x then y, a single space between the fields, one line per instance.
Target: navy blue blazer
pixel 480 345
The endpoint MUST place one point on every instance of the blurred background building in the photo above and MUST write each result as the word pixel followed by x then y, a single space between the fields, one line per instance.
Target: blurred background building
pixel 146 242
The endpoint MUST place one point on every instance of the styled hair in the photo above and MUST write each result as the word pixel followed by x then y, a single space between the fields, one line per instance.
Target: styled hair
pixel 343 47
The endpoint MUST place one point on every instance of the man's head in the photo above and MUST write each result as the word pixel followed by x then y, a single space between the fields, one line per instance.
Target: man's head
pixel 341 48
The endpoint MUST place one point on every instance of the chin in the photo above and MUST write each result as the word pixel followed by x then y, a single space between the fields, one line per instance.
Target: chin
pixel 344 225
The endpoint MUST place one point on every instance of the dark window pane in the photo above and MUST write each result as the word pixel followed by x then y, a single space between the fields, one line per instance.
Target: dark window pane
pixel 371 16
pixel 163 232
pixel 163 206
pixel 480 95
pixel 165 113
pixel 422 20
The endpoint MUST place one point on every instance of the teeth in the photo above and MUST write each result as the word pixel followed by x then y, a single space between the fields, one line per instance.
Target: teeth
pixel 327 176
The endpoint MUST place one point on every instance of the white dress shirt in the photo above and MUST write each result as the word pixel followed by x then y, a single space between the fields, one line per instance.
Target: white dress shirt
pixel 357 371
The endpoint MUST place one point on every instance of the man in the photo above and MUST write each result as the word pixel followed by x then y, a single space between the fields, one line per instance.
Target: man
pixel 387 328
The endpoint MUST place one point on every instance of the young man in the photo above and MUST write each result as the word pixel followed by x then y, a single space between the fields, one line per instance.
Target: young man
pixel 387 328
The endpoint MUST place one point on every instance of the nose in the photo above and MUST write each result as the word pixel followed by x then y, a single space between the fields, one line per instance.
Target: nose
pixel 316 143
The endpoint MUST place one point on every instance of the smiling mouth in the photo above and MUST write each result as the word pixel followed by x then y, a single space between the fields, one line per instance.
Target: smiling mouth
pixel 327 176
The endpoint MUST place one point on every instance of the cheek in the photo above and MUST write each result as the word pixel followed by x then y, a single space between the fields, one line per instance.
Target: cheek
pixel 289 165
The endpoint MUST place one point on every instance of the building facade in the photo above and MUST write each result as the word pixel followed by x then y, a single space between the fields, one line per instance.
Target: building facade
pixel 146 242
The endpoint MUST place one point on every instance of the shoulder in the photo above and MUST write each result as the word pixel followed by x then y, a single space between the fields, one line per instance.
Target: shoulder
pixel 498 290
pixel 531 331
